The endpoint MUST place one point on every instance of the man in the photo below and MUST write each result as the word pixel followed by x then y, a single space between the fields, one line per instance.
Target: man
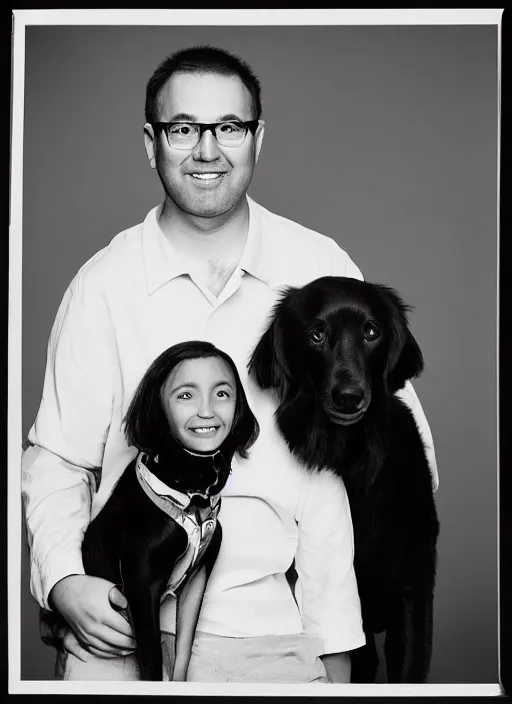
pixel 208 264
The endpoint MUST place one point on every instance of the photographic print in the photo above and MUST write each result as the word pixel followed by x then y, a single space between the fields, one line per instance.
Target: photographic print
pixel 253 352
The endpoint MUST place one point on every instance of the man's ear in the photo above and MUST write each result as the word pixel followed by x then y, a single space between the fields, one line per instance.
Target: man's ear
pixel 149 141
pixel 260 131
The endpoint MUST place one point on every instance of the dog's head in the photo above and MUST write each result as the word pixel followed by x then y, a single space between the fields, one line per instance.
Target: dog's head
pixel 336 342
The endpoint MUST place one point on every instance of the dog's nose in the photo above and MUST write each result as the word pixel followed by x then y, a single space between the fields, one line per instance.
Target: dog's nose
pixel 348 400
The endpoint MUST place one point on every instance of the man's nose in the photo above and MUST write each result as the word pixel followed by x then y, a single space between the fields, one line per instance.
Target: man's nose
pixel 207 149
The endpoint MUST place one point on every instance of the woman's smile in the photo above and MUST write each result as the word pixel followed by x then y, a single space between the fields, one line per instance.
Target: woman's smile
pixel 205 430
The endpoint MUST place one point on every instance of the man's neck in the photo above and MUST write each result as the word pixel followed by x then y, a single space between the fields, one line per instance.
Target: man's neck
pixel 204 236
pixel 211 246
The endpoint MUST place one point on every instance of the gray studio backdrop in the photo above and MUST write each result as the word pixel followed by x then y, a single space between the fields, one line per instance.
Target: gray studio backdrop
pixel 383 138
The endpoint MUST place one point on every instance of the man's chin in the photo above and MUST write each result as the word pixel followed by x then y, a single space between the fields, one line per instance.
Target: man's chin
pixel 207 205
pixel 211 209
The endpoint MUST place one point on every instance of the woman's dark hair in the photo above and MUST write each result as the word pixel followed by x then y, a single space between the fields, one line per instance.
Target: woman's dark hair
pixel 201 59
pixel 146 425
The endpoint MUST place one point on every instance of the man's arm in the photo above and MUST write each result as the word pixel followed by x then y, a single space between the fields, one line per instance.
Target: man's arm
pixel 337 667
pixel 409 397
pixel 326 587
pixel 56 496
pixel 66 445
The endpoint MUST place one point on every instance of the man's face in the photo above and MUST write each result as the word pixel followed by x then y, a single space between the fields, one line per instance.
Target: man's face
pixel 207 180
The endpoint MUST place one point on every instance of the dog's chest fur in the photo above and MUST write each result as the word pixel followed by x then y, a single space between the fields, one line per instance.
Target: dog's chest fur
pixel 386 475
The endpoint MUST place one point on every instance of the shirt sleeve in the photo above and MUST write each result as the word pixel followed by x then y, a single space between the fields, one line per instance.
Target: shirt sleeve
pixel 408 396
pixel 342 265
pixel 67 441
pixel 326 588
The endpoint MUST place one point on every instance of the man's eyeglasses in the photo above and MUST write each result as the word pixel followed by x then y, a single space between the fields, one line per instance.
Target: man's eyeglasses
pixel 185 135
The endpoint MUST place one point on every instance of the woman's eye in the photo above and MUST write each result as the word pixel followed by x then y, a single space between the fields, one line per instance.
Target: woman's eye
pixel 371 331
pixel 222 394
pixel 184 396
pixel 317 336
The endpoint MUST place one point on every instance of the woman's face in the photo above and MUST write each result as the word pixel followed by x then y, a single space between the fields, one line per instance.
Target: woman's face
pixel 199 398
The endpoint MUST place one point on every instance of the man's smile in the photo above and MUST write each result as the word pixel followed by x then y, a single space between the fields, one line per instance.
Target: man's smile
pixel 208 176
pixel 207 180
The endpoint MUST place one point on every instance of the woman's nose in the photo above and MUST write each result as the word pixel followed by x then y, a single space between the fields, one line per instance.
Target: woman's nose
pixel 205 408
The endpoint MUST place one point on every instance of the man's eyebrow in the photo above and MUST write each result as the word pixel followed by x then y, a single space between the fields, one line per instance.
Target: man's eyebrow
pixel 187 117
pixel 183 117
pixel 229 117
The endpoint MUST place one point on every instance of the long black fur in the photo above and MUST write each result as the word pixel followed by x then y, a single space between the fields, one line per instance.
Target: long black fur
pixel 133 543
pixel 337 410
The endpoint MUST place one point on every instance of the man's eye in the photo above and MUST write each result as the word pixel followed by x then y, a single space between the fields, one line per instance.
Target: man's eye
pixel 317 336
pixel 371 331
pixel 182 130
pixel 230 128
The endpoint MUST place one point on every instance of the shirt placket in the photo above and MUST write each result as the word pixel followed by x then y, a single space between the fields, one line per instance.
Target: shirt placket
pixel 210 321
pixel 232 285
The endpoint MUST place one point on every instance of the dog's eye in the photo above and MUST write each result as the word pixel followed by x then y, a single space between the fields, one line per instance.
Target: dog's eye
pixel 317 336
pixel 370 331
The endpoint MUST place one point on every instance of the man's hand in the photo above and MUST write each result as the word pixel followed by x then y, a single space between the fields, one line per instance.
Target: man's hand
pixel 87 605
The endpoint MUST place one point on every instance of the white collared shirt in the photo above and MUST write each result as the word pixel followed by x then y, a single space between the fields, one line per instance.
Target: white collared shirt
pixel 127 304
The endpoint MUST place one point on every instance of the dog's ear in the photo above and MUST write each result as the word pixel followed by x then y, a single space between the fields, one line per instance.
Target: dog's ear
pixel 404 359
pixel 268 365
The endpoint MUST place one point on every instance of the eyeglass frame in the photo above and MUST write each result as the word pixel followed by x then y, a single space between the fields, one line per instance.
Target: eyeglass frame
pixel 249 125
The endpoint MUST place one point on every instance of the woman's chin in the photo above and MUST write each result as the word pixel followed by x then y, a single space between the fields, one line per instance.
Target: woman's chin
pixel 203 444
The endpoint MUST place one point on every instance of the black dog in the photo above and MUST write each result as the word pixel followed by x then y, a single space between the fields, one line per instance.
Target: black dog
pixel 141 539
pixel 335 352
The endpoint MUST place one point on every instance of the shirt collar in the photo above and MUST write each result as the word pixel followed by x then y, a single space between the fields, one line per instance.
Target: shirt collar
pixel 162 263
pixel 253 260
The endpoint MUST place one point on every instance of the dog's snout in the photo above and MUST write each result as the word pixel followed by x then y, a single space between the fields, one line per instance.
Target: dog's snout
pixel 348 400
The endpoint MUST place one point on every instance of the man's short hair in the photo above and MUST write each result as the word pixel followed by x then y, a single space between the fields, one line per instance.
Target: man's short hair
pixel 202 59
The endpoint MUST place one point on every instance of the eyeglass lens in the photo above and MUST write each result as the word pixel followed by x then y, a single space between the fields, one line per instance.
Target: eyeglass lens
pixel 188 134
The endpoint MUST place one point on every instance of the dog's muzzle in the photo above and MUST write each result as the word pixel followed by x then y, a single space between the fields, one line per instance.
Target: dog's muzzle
pixel 347 406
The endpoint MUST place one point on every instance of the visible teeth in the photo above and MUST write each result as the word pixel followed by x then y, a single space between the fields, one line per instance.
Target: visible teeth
pixel 206 177
pixel 203 430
